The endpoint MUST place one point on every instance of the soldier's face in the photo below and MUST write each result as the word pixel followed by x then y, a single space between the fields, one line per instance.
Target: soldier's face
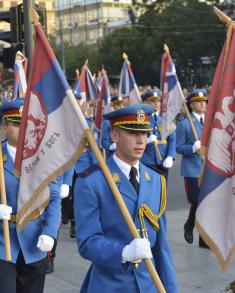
pixel 11 130
pixel 156 104
pixel 199 106
pixel 130 144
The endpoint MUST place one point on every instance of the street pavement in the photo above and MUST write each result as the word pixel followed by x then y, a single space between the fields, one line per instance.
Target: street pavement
pixel 196 268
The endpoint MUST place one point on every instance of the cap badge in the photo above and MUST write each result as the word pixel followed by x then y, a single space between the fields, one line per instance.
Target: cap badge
pixel 140 115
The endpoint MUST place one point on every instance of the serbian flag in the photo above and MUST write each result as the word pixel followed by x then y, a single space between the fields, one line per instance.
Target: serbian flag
pixel 104 99
pixel 51 132
pixel 127 86
pixel 88 89
pixel 98 81
pixel 20 70
pixel 172 96
pixel 216 207
pixel 77 86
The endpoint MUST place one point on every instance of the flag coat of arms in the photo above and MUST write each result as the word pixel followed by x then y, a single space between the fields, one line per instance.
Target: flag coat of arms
pixel 51 132
pixel 128 87
pixel 216 207
pixel 172 96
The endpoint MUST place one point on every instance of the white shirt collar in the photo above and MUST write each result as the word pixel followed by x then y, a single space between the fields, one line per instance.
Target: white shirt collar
pixel 11 151
pixel 198 116
pixel 155 113
pixel 126 167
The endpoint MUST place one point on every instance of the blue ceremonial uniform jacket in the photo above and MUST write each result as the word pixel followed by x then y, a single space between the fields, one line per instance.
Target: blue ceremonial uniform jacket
pixel 106 139
pixel 191 163
pixel 47 224
pixel 166 147
pixel 87 158
pixel 102 232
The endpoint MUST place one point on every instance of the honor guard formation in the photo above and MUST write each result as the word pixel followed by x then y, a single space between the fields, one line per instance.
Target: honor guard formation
pixel 91 163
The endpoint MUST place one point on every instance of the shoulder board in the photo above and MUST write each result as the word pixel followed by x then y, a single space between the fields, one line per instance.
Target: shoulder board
pixel 88 171
pixel 156 169
pixel 181 117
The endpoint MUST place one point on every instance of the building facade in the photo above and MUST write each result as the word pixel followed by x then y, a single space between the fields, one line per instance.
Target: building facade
pixel 90 20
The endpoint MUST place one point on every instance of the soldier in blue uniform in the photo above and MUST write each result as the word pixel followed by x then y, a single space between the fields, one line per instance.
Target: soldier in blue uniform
pixel 102 234
pixel 192 162
pixel 26 272
pixel 166 146
pixel 117 102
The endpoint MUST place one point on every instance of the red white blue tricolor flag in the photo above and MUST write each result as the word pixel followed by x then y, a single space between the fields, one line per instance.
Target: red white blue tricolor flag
pixel 216 207
pixel 127 86
pixel 88 89
pixel 20 69
pixel 104 99
pixel 172 96
pixel 51 132
pixel 77 86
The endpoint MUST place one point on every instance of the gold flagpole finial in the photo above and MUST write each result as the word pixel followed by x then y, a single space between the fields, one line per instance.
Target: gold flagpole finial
pixel 86 62
pixel 166 49
pixel 124 56
pixel 77 71
pixel 222 16
pixel 33 16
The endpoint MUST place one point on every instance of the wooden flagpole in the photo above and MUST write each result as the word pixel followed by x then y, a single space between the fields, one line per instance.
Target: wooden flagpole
pixel 4 201
pixel 122 206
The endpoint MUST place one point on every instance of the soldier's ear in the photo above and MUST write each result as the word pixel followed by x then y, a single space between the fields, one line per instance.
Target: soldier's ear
pixel 114 134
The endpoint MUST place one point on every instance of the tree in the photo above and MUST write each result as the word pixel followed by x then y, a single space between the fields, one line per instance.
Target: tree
pixel 189 27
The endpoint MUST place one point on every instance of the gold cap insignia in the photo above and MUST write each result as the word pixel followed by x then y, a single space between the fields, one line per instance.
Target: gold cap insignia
pixel 147 176
pixel 116 177
pixel 140 115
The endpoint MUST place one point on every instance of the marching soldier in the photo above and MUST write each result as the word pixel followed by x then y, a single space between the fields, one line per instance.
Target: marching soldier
pixel 166 146
pixel 117 102
pixel 192 162
pixel 26 272
pixel 102 234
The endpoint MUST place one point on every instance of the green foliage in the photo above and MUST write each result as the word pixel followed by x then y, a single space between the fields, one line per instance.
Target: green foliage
pixel 189 28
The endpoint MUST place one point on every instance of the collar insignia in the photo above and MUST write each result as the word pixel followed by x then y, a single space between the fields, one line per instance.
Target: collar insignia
pixel 116 177
pixel 147 176
pixel 4 158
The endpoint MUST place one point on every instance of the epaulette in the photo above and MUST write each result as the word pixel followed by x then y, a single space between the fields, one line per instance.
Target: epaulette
pixel 88 171
pixel 156 169
pixel 181 117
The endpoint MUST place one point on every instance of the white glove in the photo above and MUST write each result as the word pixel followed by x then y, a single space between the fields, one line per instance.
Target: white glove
pixel 113 147
pixel 137 249
pixel 168 162
pixel 45 243
pixel 64 191
pixel 5 212
pixel 151 138
pixel 196 146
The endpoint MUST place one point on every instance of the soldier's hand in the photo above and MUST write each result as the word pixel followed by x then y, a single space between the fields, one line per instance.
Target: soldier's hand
pixel 151 138
pixel 45 243
pixel 196 146
pixel 168 162
pixel 5 212
pixel 113 147
pixel 64 191
pixel 137 249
